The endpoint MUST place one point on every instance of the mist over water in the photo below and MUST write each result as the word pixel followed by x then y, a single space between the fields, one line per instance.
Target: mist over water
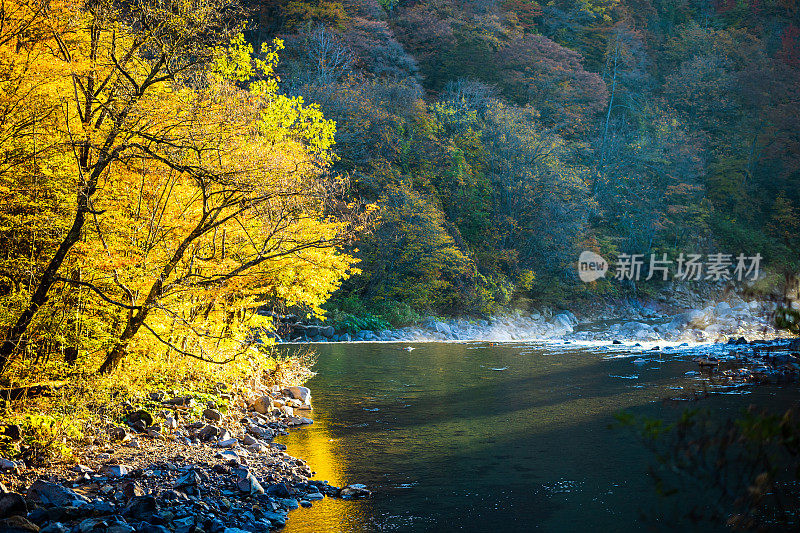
pixel 476 436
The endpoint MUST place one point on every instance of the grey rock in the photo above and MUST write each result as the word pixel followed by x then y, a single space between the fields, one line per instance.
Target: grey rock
pixel 563 323
pixel 7 464
pixel 54 494
pixel 115 470
pixel 140 416
pixel 146 527
pixel 141 508
pixel 132 489
pixel 276 518
pixel 181 401
pixel 354 491
pixel 289 503
pixel 248 483
pixel 261 432
pixel 298 393
pixel 256 448
pixel 314 496
pixel 100 507
pixel 119 528
pixel 230 455
pixel 170 422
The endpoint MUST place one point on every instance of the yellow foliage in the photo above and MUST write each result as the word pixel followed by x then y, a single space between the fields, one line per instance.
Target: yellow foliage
pixel 216 200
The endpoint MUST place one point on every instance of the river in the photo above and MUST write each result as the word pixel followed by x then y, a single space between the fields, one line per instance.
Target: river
pixel 480 436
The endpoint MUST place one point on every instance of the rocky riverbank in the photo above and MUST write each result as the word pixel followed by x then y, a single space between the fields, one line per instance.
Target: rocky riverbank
pixel 172 471
pixel 718 321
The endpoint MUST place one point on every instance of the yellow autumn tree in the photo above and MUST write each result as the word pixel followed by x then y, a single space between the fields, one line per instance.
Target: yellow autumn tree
pixel 184 189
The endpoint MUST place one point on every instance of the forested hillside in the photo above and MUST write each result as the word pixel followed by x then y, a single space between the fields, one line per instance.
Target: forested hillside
pixel 502 138
pixel 170 169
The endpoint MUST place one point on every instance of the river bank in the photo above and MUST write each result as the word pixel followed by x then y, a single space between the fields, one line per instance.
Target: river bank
pixel 171 471
pixel 717 321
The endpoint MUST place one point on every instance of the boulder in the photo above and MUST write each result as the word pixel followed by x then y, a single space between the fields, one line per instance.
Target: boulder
pixel 132 489
pixel 117 434
pixel 140 416
pixel 261 432
pixel 573 320
pixel 53 494
pixel 189 479
pixel 354 491
pixel 298 393
pixel 141 508
pixel 263 405
pixel 170 422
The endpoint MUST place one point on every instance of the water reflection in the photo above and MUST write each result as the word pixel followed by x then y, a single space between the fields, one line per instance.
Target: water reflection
pixel 449 443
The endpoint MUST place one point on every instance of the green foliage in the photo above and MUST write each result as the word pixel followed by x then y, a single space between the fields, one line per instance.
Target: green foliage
pixel 45 438
pixel 353 324
pixel 788 319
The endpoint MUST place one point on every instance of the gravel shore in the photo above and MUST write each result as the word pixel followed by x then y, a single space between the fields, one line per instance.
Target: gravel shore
pixel 166 472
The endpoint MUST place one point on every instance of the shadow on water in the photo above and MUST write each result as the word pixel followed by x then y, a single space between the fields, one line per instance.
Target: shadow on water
pixel 450 444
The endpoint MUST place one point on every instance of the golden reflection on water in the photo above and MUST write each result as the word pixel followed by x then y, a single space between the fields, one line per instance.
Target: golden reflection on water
pixel 315 445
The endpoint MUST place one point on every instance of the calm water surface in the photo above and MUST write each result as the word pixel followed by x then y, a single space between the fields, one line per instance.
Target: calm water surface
pixel 477 437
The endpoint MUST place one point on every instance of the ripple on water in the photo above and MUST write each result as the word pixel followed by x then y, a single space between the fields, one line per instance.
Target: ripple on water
pixel 562 486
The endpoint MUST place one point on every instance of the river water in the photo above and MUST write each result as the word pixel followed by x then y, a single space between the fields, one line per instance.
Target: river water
pixel 478 436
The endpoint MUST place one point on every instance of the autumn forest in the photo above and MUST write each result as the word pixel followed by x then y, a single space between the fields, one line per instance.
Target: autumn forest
pixel 169 168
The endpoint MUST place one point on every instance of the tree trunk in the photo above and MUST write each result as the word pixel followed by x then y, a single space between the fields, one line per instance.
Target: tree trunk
pixel 120 349
pixel 39 297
